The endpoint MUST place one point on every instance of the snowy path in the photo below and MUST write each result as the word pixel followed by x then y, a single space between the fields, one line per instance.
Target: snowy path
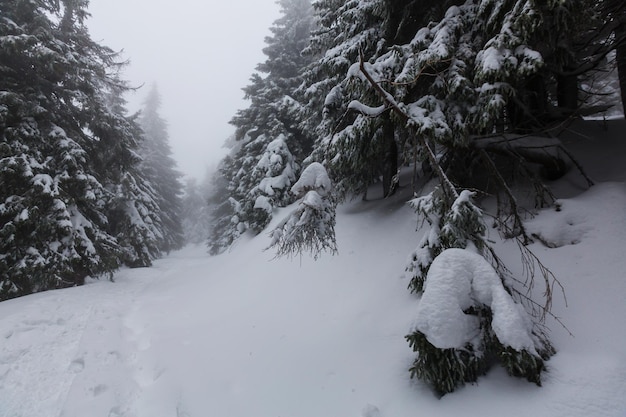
pixel 241 335
pixel 65 350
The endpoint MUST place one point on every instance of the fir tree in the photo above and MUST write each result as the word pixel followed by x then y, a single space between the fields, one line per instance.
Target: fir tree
pixel 262 168
pixel 65 146
pixel 132 210
pixel 454 88
pixel 311 226
pixel 346 146
pixel 159 167
pixel 195 214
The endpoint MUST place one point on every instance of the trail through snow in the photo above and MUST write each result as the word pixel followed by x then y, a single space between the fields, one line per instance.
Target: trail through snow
pixel 242 334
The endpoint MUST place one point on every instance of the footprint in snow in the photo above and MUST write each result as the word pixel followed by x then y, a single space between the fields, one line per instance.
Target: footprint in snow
pixel 370 411
pixel 77 365
pixel 99 389
pixel 115 412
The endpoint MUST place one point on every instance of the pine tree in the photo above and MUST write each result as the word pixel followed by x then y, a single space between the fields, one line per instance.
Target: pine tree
pixel 453 255
pixel 159 167
pixel 311 226
pixel 64 146
pixel 349 148
pixel 195 214
pixel 457 86
pixel 132 210
pixel 261 169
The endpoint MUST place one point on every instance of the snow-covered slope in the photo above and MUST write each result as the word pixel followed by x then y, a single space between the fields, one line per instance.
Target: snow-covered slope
pixel 242 334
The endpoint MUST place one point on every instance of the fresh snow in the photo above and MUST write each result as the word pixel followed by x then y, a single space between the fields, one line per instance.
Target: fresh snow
pixel 457 280
pixel 314 177
pixel 365 109
pixel 243 334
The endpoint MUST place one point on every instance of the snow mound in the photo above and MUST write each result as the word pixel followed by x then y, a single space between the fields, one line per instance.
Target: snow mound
pixel 457 280
pixel 314 177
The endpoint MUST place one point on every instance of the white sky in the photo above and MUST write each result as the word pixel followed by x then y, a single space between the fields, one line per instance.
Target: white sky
pixel 200 54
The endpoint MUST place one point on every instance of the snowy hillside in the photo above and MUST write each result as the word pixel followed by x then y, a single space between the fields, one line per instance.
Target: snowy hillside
pixel 246 335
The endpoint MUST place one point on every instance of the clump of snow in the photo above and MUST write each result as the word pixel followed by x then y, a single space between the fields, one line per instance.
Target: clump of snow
pixel 457 280
pixel 334 96
pixel 314 177
pixel 263 203
pixel 313 200
pixel 365 109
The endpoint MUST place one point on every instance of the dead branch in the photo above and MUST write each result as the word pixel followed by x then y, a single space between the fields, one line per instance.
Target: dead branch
pixel 518 224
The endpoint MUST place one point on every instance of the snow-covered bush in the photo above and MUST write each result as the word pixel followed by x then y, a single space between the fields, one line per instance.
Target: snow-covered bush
pixel 466 320
pixel 311 226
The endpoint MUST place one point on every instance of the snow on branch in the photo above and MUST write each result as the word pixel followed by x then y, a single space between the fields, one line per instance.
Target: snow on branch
pixel 311 226
pixel 397 108
pixel 366 110
pixel 458 280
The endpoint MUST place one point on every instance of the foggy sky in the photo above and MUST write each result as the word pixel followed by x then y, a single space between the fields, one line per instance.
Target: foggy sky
pixel 199 53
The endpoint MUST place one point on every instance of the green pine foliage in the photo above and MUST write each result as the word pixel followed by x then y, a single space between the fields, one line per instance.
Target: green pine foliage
pixel 265 163
pixel 311 226
pixel 454 223
pixel 445 369
pixel 459 224
pixel 67 152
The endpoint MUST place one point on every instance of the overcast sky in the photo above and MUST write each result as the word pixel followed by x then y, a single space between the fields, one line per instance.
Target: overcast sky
pixel 200 53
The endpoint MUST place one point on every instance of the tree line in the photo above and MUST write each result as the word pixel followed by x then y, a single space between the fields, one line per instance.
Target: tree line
pixel 460 94
pixel 465 94
pixel 85 187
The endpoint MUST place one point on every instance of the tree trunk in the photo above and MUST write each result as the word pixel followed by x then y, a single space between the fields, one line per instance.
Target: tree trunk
pixel 621 63
pixel 567 92
pixel 390 161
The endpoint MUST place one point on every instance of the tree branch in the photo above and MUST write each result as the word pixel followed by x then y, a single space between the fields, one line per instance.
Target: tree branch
pixel 395 107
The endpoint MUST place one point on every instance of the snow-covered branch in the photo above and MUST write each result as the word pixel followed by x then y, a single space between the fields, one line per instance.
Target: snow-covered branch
pixel 311 226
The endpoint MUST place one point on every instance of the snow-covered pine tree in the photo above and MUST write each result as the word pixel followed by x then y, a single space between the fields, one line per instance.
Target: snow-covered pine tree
pixel 132 210
pixel 61 142
pixel 311 226
pixel 195 214
pixel 350 149
pixel 461 86
pixel 470 74
pixel 260 171
pixel 467 318
pixel 159 167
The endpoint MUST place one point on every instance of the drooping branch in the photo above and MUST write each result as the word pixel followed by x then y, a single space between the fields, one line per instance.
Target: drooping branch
pixel 518 225
pixel 518 232
pixel 395 107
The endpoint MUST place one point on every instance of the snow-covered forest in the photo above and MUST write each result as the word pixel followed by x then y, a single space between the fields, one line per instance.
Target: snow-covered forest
pixel 419 199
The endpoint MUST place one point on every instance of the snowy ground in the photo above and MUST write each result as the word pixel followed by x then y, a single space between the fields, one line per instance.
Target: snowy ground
pixel 244 335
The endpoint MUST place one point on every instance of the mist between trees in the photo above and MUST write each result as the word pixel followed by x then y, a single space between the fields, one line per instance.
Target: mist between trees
pixel 460 100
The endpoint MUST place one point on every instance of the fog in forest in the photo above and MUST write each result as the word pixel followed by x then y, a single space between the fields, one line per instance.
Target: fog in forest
pixel 200 55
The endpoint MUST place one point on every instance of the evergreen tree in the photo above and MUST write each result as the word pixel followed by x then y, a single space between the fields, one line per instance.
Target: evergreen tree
pixel 262 168
pixel 311 226
pixel 159 167
pixel 195 212
pixel 65 145
pixel 454 85
pixel 132 211
pixel 344 145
